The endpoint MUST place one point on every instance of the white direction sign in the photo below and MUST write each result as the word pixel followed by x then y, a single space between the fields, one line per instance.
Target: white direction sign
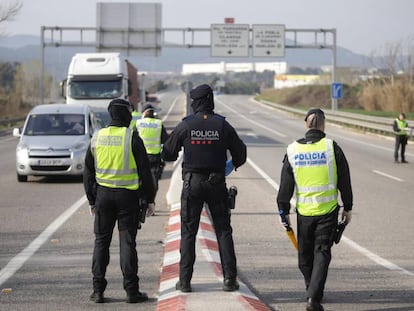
pixel 268 40
pixel 230 40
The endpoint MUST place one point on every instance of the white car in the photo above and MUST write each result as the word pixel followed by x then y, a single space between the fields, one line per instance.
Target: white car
pixel 54 140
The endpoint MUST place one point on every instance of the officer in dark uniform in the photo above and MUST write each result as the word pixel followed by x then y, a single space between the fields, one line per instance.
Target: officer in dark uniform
pixel 117 173
pixel 317 168
pixel 206 137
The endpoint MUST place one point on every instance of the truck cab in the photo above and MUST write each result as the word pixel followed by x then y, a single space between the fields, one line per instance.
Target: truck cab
pixel 97 78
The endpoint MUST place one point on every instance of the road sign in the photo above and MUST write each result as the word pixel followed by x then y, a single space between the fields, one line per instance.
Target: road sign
pixel 336 90
pixel 268 40
pixel 230 40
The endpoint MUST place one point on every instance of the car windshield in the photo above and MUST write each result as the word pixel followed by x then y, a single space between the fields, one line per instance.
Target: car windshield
pixel 95 89
pixel 55 124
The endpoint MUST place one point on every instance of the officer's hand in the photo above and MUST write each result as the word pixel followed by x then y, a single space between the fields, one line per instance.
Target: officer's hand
pixel 229 167
pixel 150 209
pixel 92 210
pixel 284 219
pixel 346 216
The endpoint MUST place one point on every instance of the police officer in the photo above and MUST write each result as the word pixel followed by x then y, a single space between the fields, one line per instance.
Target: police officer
pixel 117 174
pixel 136 115
pixel 153 133
pixel 318 168
pixel 400 127
pixel 206 137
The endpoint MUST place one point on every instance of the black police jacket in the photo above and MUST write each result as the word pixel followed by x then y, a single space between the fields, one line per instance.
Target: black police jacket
pixel 205 137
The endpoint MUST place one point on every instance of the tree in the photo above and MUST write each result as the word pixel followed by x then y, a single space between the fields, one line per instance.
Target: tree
pixel 10 11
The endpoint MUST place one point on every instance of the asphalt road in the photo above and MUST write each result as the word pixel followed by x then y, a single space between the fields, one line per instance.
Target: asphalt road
pixel 46 234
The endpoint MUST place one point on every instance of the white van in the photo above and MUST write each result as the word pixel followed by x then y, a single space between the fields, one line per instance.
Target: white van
pixel 54 140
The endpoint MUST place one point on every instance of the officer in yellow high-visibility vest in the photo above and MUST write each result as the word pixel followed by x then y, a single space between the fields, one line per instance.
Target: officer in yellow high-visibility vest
pixel 400 127
pixel 117 174
pixel 153 133
pixel 317 168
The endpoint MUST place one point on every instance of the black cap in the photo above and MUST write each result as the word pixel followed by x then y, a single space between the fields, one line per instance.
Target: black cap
pixel 201 91
pixel 148 107
pixel 316 111
pixel 119 102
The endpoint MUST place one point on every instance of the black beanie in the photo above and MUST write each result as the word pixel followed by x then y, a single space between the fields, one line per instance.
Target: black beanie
pixel 201 91
pixel 120 110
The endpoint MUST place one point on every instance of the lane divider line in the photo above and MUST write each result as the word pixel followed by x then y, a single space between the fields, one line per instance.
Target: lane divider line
pixel 18 261
pixel 388 175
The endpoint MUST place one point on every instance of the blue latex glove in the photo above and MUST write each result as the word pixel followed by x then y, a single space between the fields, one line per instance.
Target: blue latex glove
pixel 229 167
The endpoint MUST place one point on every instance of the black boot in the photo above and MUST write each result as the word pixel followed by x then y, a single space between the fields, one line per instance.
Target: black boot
pixel 136 297
pixel 97 297
pixel 185 287
pixel 230 285
pixel 314 305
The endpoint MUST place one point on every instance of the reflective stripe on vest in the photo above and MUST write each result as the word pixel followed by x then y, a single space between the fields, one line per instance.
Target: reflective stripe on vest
pixel 135 117
pixel 402 125
pixel 149 130
pixel 314 168
pixel 114 161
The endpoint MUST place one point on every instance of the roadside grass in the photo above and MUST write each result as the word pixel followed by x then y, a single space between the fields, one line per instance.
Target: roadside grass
pixel 311 96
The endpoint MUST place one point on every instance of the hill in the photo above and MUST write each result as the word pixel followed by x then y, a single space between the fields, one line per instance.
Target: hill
pixel 21 48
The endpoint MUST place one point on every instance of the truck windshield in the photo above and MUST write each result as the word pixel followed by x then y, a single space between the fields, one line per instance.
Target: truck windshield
pixel 55 124
pixel 95 89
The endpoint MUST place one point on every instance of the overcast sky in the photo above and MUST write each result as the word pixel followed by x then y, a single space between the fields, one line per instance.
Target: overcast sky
pixel 363 26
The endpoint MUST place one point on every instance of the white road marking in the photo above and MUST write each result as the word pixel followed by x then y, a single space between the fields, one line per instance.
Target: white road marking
pixel 251 121
pixel 18 261
pixel 375 258
pixel 379 260
pixel 169 110
pixel 387 175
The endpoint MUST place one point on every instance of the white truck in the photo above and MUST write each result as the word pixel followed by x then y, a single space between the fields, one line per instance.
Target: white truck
pixel 97 78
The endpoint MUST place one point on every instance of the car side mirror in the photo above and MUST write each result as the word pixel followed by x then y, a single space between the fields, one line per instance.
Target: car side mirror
pixel 16 132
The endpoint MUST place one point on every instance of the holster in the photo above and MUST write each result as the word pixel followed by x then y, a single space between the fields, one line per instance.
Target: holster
pixel 142 211
pixel 339 231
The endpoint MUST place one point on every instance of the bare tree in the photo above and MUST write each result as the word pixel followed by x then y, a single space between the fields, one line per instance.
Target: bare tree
pixel 10 11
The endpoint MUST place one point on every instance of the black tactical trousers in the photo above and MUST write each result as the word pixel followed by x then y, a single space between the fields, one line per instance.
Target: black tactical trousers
pixel 116 205
pixel 197 190
pixel 315 238
pixel 400 140
pixel 156 168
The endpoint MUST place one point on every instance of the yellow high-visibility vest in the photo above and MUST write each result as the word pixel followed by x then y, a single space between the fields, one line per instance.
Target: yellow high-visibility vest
pixel 135 117
pixel 149 129
pixel 115 164
pixel 402 125
pixel 316 178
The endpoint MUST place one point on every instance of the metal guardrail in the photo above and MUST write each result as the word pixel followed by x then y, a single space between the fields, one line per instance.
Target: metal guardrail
pixel 11 122
pixel 378 125
pixel 7 124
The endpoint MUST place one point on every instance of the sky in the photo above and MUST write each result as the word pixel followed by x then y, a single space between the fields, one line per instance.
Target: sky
pixel 363 26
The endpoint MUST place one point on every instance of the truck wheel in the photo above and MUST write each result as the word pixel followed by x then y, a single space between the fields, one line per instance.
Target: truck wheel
pixel 21 178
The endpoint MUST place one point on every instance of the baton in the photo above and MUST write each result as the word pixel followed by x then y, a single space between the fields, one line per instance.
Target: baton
pixel 291 235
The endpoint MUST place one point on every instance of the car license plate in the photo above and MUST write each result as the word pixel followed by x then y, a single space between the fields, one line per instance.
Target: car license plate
pixel 49 162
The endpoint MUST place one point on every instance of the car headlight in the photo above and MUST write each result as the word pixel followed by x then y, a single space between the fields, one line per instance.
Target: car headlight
pixel 79 146
pixel 22 151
